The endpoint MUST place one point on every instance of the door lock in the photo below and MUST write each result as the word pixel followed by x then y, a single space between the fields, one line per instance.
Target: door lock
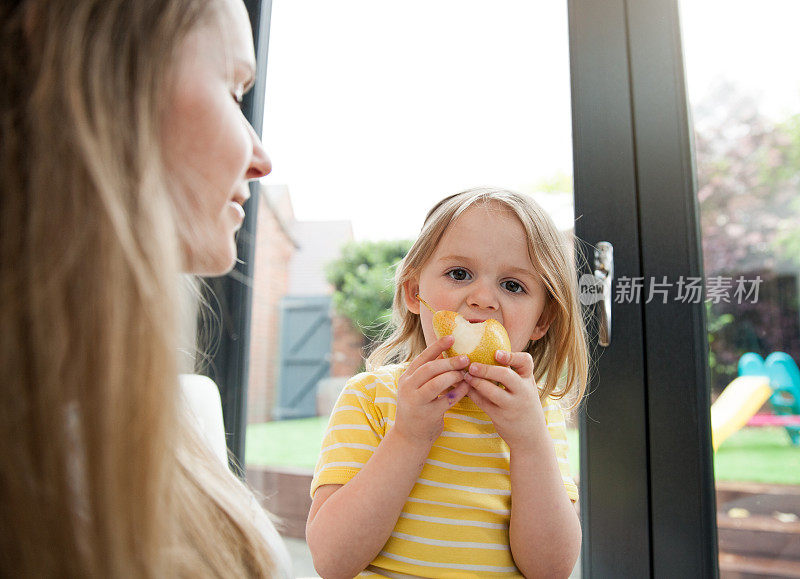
pixel 604 275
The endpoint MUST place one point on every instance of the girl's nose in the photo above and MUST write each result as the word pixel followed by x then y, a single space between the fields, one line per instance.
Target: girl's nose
pixel 260 165
pixel 482 296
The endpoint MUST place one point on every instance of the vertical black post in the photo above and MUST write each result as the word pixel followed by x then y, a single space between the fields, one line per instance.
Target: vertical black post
pixel 615 502
pixel 683 509
pixel 229 367
pixel 646 463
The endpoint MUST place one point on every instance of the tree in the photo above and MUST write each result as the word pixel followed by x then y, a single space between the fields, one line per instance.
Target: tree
pixel 787 170
pixel 748 177
pixel 363 278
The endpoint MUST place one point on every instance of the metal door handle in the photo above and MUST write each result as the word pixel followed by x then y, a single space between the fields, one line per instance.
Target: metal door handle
pixel 604 275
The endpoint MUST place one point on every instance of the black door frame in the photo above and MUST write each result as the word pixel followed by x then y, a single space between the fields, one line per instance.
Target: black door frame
pixel 229 365
pixel 614 485
pixel 648 493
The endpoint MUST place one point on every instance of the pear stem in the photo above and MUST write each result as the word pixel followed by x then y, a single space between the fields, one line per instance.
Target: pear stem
pixel 426 304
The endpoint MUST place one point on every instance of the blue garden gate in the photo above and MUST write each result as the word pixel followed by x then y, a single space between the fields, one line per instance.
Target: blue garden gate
pixel 306 337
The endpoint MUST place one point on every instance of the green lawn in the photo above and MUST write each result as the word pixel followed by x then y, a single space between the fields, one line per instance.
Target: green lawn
pixel 761 454
pixel 285 442
pixel 297 443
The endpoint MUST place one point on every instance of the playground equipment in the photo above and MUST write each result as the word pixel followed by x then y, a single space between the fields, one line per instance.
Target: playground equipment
pixel 737 403
pixel 777 379
pixel 784 377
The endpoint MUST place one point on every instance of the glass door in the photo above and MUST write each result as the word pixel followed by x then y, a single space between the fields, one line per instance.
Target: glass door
pixel 744 89
pixel 648 500
pixel 374 111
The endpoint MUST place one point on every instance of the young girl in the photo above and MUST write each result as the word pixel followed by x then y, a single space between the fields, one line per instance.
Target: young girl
pixel 435 467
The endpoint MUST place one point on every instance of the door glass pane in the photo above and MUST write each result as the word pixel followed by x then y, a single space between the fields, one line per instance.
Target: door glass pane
pixel 375 111
pixel 744 89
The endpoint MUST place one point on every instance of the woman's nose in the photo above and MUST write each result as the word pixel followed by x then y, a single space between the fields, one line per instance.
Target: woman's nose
pixel 260 165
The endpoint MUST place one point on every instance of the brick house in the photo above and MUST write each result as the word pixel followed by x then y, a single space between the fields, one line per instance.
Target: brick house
pixel 290 261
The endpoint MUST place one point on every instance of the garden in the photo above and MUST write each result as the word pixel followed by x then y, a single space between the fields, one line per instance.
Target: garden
pixel 759 454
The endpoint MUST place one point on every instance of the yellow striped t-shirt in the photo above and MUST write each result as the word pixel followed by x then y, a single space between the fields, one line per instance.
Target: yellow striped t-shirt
pixel 455 521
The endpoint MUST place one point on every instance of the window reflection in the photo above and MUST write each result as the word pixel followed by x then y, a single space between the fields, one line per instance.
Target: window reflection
pixel 744 86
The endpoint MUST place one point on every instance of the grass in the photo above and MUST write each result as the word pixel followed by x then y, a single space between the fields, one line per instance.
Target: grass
pixel 761 454
pixel 285 442
pixel 296 443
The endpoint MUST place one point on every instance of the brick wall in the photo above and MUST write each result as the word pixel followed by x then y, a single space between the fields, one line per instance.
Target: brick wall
pixel 274 249
pixel 347 354
pixel 276 245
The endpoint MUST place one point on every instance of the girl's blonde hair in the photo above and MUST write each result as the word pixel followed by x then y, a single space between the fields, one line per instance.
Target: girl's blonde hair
pixel 560 357
pixel 100 474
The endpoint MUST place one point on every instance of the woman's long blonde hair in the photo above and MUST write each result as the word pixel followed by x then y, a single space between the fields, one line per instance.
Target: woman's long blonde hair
pixel 99 475
pixel 560 357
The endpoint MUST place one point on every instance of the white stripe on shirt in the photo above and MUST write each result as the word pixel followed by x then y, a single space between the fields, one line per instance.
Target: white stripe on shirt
pixel 385 400
pixel 487 568
pixel 368 572
pixel 467 468
pixel 348 445
pixel 481 454
pixel 342 464
pixel 355 393
pixel 350 427
pixel 503 512
pixel 470 435
pixel 457 522
pixel 341 408
pixel 482 491
pixel 472 419
pixel 451 544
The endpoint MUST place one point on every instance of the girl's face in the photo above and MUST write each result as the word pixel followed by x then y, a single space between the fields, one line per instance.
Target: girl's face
pixel 211 150
pixel 481 270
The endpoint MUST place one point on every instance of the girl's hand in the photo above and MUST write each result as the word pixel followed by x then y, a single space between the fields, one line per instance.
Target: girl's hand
pixel 516 412
pixel 421 397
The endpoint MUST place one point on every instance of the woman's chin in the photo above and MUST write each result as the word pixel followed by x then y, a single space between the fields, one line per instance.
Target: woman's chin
pixel 212 264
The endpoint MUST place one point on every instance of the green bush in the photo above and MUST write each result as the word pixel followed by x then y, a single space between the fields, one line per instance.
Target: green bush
pixel 363 278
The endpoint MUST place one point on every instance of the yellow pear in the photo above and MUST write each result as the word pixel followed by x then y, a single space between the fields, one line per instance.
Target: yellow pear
pixel 478 341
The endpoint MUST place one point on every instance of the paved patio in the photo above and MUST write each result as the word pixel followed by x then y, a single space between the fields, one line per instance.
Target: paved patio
pixel 301 558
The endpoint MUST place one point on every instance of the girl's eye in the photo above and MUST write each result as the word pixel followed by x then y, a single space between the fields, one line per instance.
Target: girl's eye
pixel 513 286
pixel 459 274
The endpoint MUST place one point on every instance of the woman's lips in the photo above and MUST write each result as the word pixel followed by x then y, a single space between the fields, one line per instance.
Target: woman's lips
pixel 239 211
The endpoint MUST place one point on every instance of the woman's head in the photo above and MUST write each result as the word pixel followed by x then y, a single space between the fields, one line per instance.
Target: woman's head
pixel 93 238
pixel 147 97
pixel 489 253
pixel 211 149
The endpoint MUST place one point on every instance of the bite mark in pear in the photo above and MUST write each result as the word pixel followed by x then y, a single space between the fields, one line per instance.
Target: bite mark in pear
pixel 478 341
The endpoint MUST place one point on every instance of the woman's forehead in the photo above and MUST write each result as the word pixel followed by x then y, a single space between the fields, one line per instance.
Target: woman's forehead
pixel 231 22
